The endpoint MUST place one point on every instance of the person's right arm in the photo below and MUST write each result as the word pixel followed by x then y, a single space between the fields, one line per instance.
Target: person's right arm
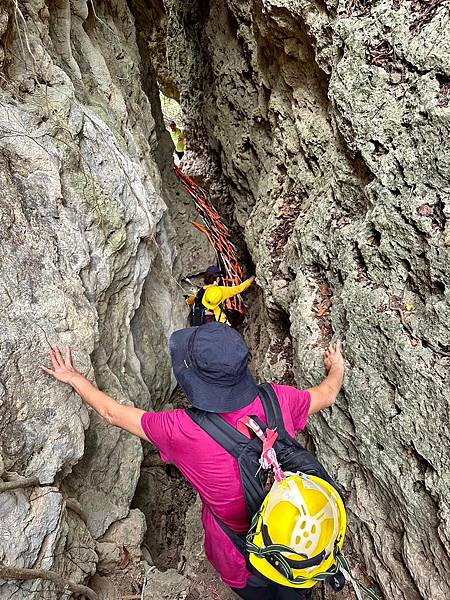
pixel 191 299
pixel 324 395
pixel 121 415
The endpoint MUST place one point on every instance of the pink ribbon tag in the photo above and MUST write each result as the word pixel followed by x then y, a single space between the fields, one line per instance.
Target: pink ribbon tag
pixel 268 456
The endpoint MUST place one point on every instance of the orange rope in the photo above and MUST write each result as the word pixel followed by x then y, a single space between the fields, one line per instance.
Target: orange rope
pixel 218 235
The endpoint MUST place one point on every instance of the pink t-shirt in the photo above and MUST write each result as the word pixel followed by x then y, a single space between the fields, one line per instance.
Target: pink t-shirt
pixel 215 474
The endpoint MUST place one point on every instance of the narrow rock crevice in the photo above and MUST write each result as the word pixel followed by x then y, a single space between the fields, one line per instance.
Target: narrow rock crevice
pixel 331 172
pixel 320 132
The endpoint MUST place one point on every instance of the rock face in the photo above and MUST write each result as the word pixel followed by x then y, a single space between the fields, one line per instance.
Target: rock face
pixel 94 237
pixel 329 122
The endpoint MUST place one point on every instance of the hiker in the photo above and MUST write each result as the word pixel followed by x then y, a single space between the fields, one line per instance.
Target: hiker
pixel 209 302
pixel 178 139
pixel 213 275
pixel 210 364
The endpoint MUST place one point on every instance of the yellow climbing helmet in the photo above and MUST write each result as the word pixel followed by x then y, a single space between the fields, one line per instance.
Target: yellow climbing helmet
pixel 299 529
pixel 212 297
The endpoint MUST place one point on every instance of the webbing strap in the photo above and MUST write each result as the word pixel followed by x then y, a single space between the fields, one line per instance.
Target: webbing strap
pixel 225 434
pixel 358 587
pixel 220 430
pixel 272 408
pixel 301 563
pixel 261 425
pixel 274 553
pixel 222 312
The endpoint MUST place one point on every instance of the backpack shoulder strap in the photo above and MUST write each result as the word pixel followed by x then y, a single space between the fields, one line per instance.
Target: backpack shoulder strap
pixel 220 430
pixel 272 408
pixel 199 296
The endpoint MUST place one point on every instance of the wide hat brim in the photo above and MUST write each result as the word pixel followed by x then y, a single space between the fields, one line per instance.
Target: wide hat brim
pixel 209 396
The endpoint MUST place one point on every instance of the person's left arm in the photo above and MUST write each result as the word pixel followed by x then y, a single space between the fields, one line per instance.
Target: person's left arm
pixel 229 292
pixel 120 415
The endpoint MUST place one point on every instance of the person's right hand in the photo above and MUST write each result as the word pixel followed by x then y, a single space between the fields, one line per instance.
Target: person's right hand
pixel 252 279
pixel 63 369
pixel 333 357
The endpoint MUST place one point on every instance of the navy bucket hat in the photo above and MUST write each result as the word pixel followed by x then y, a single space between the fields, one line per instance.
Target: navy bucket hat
pixel 210 363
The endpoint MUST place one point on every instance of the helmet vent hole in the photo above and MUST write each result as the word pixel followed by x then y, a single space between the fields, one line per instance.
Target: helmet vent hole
pixel 313 529
pixel 298 539
pixel 308 544
pixel 303 525
pixel 306 534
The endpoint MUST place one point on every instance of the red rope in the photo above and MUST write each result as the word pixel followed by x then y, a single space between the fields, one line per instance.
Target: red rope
pixel 219 237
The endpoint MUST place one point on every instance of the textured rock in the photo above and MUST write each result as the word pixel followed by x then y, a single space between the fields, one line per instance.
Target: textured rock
pixel 38 512
pixel 163 496
pixel 329 122
pixel 169 585
pixel 105 588
pixel 109 555
pixel 38 531
pixel 128 533
pixel 93 228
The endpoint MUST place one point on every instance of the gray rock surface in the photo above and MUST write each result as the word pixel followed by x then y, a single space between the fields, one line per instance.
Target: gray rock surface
pixel 330 124
pixel 169 585
pixel 321 130
pixel 128 533
pixel 110 556
pixel 95 236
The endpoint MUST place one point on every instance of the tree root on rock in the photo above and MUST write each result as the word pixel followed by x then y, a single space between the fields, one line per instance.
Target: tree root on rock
pixel 18 483
pixel 27 574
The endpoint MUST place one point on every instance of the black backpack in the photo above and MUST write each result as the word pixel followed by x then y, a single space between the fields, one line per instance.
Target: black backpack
pixel 198 310
pixel 291 455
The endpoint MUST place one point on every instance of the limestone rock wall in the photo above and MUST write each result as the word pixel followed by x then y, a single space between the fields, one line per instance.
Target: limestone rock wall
pixel 94 236
pixel 330 123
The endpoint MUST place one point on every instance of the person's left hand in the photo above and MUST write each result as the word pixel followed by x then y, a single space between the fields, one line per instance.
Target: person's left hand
pixel 62 368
